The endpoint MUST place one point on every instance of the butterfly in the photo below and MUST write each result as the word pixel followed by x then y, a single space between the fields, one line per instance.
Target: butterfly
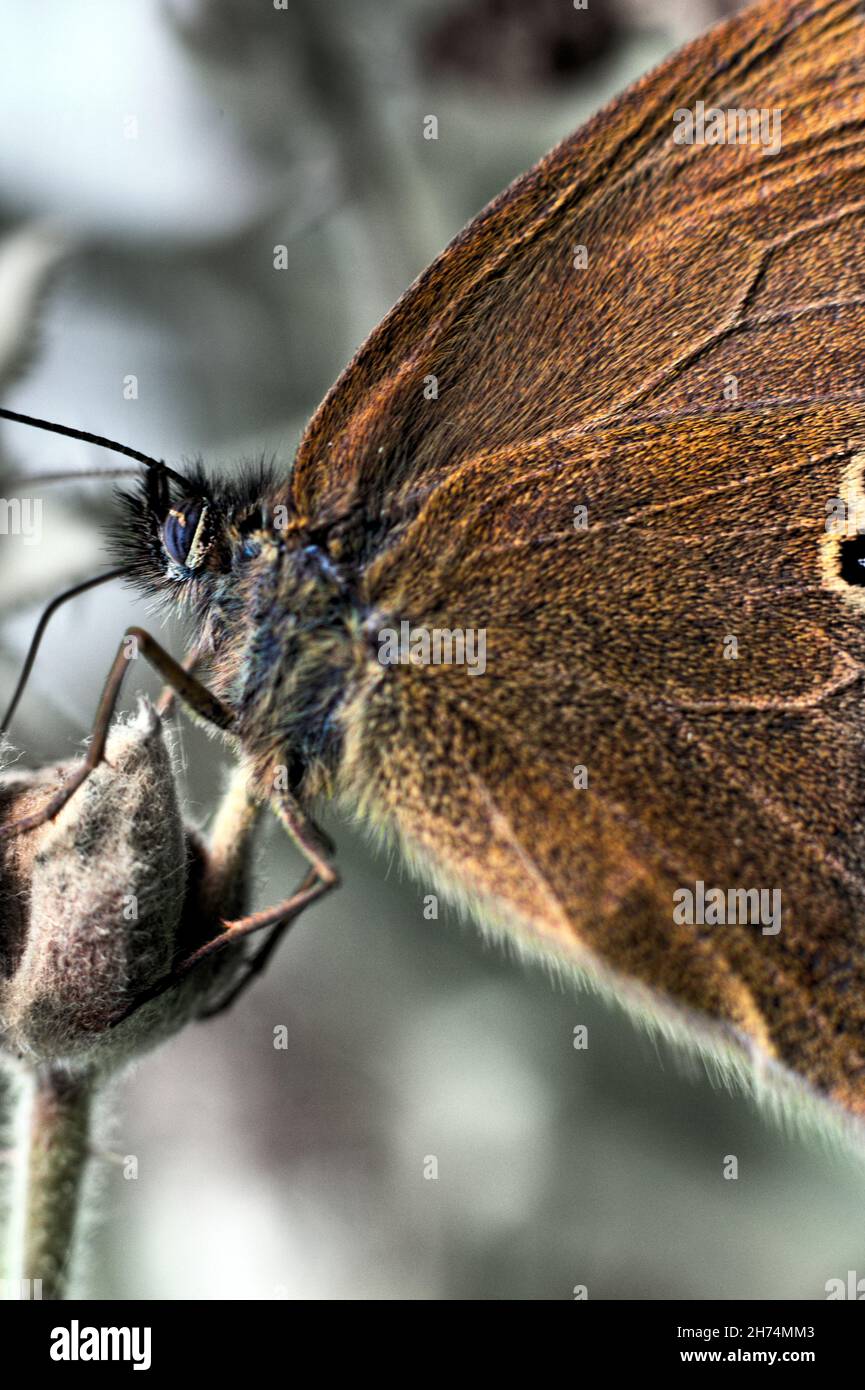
pixel 563 595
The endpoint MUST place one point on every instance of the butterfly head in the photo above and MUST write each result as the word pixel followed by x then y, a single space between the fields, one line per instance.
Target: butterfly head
pixel 181 537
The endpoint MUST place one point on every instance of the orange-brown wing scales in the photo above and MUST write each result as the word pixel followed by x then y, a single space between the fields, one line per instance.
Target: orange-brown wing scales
pixel 699 647
pixel 609 648
pixel 682 242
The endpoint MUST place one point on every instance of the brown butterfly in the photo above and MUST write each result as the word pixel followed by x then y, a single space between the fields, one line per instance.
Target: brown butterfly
pixel 565 592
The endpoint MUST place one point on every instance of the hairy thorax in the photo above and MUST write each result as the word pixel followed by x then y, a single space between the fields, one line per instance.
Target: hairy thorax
pixel 288 655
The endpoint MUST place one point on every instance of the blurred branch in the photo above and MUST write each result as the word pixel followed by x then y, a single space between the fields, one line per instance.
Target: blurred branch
pixel 348 105
pixel 28 258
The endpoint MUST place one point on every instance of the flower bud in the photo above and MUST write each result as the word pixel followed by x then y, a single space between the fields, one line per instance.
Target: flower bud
pixel 98 905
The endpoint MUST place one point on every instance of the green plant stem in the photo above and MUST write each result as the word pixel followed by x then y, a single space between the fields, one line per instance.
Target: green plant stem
pixel 58 1155
pixel 9 1096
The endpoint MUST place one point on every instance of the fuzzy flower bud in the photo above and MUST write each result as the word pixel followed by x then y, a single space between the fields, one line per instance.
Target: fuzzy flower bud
pixel 99 904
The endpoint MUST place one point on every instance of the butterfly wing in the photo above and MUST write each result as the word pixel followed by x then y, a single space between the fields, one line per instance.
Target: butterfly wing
pixel 697 257
pixel 690 646
pixel 671 696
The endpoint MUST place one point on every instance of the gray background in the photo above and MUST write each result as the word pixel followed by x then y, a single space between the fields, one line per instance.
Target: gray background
pixel 299 1173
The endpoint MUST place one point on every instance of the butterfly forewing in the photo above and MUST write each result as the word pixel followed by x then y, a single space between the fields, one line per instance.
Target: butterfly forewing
pixel 686 246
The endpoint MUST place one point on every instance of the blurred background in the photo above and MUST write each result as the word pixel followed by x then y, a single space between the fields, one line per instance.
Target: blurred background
pixel 152 156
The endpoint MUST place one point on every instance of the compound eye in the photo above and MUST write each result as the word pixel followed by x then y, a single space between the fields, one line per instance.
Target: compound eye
pixel 183 533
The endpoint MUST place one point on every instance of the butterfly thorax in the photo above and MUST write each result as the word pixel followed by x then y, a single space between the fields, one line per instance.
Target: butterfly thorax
pixel 285 647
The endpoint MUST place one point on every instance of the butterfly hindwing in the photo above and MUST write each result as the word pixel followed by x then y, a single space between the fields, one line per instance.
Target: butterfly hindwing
pixel 691 652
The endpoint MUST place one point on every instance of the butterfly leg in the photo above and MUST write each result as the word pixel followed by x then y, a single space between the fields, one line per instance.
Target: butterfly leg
pixel 191 691
pixel 254 967
pixel 165 703
pixel 321 878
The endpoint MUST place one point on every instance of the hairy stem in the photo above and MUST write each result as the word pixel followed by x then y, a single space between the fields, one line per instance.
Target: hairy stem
pixel 59 1151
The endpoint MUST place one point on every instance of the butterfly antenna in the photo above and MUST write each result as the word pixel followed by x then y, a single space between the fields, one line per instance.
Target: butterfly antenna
pixel 73 476
pixel 92 439
pixel 40 629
